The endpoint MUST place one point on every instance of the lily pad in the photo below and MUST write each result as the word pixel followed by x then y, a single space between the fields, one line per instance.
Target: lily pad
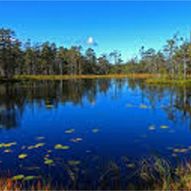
pixel 28 178
pixel 39 145
pixel 76 140
pixel 164 127
pixel 69 131
pixel 152 127
pixel 73 162
pixel 176 150
pixel 18 177
pixel 36 146
pixel 7 151
pixel 22 156
pixel 143 106
pixel 181 150
pixel 131 165
pixel 5 145
pixel 48 161
pixel 40 138
pixel 62 147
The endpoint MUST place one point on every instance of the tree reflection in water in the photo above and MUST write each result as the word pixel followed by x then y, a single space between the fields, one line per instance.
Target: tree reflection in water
pixel 14 97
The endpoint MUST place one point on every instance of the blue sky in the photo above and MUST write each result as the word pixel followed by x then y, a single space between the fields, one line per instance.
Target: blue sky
pixel 124 26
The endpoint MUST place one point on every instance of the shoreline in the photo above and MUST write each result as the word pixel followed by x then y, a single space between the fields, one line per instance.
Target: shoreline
pixel 149 79
pixel 85 76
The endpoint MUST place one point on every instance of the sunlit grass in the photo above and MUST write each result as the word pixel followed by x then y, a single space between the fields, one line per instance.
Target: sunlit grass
pixel 91 76
pixel 159 175
pixel 168 81
pixel 155 79
pixel 20 182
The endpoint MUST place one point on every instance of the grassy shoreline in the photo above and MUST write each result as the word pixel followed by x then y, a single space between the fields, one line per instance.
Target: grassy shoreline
pixel 89 76
pixel 168 81
pixel 150 79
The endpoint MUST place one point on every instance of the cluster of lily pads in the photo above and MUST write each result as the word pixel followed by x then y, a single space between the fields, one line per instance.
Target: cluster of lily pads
pixel 179 150
pixel 47 160
pixel 24 178
pixel 153 127
pixel 175 151
pixel 141 106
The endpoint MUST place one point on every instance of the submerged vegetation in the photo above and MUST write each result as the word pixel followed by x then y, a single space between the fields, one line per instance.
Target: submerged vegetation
pixel 153 173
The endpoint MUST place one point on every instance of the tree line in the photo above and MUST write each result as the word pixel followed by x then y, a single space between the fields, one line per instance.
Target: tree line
pixel 17 58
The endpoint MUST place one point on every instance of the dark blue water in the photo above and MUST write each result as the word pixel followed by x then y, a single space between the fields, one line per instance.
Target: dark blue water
pixel 95 122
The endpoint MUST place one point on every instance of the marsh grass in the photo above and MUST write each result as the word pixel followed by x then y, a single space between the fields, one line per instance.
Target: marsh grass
pixel 168 80
pixel 162 81
pixel 7 184
pixel 152 174
pixel 152 79
pixel 66 77
pixel 158 174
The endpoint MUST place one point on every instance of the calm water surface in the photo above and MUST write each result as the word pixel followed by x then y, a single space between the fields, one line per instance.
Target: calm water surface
pixel 73 129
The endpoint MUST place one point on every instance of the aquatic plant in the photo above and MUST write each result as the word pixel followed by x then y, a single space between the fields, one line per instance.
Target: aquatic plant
pixel 143 106
pixel 38 145
pixel 7 151
pixel 152 127
pixel 62 147
pixel 164 127
pixel 40 138
pixel 18 177
pixel 22 156
pixel 74 162
pixel 69 131
pixel 48 161
pixel 5 145
pixel 152 173
pixel 76 140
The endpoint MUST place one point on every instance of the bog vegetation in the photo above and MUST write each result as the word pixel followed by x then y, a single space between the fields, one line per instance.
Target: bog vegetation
pixel 27 58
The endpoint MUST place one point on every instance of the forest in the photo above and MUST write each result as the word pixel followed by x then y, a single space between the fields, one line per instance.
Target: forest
pixel 27 58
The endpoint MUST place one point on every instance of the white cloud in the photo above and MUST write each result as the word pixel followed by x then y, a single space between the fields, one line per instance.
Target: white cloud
pixel 90 41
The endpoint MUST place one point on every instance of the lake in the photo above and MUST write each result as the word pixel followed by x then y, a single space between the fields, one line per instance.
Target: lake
pixel 75 132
